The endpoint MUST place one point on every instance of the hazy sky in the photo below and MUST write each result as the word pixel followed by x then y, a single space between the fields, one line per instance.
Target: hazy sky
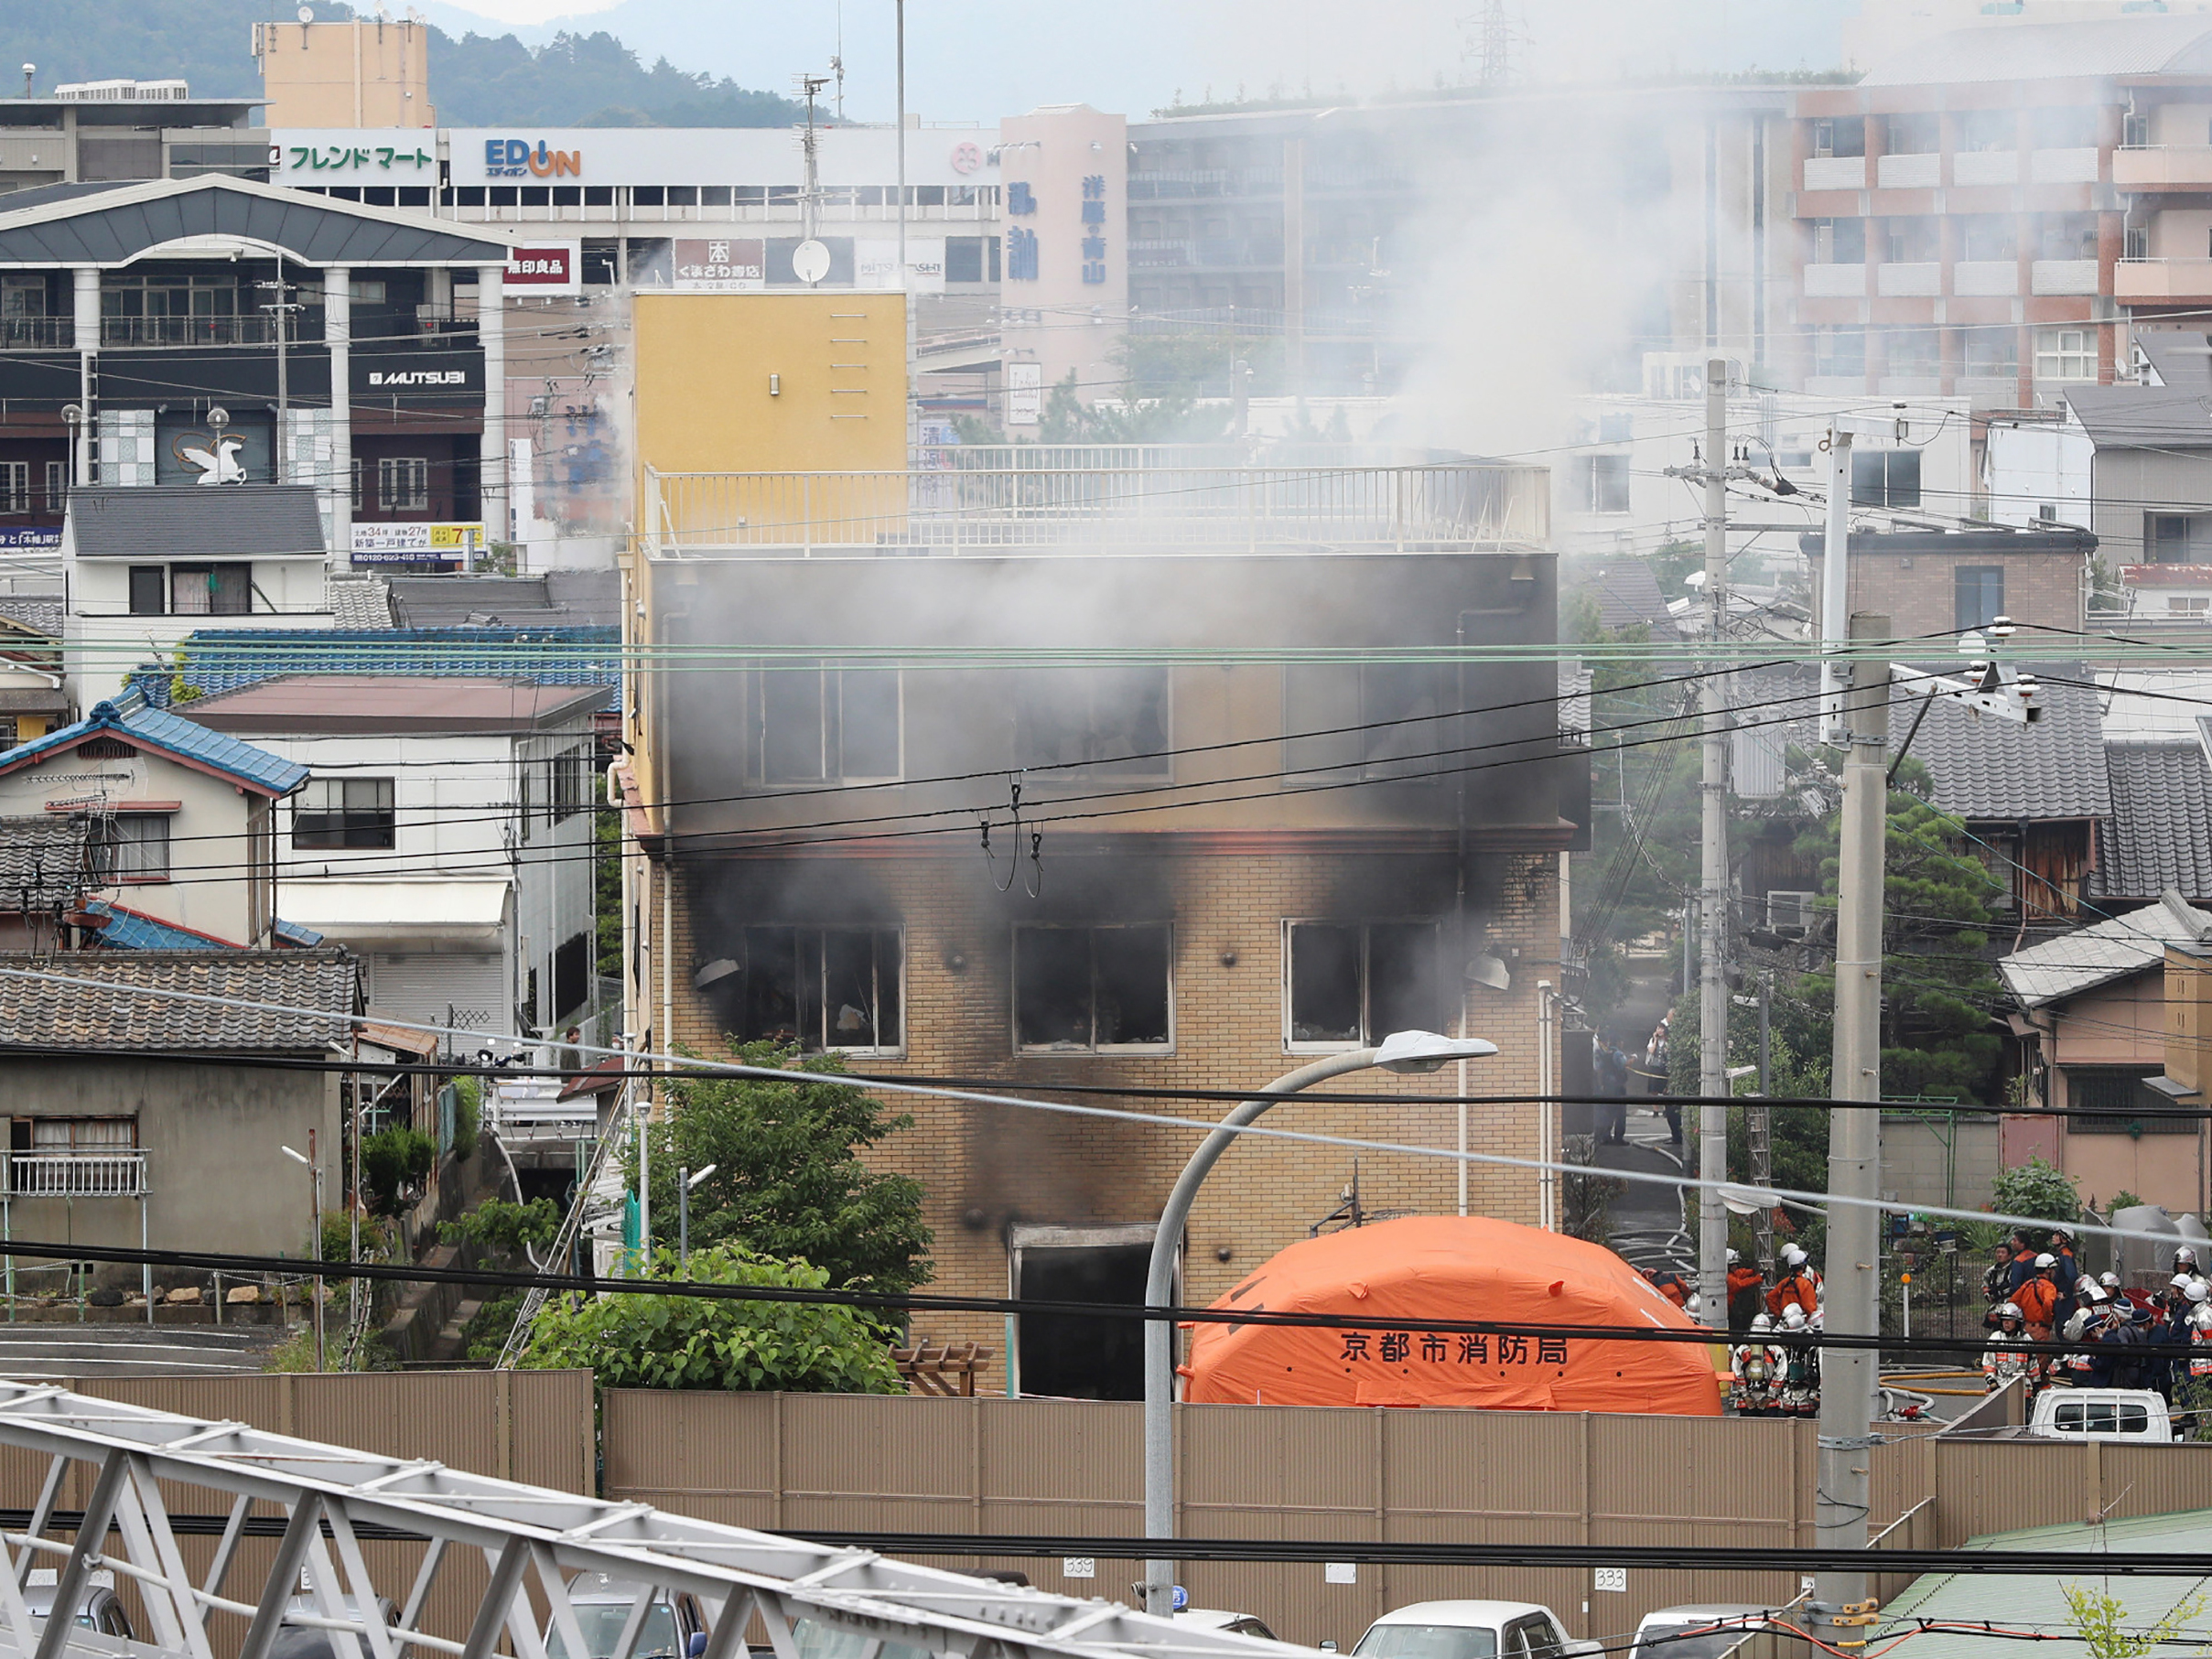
pixel 981 59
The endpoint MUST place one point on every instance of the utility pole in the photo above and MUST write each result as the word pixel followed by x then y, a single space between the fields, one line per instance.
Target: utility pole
pixel 1849 1376
pixel 1759 1130
pixel 280 308
pixel 1712 986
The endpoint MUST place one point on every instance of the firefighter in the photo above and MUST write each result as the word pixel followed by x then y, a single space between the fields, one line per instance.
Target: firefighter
pixel 2038 1297
pixel 2001 1362
pixel 1746 1293
pixel 1668 1284
pixel 2192 1378
pixel 1800 1286
pixel 1799 1393
pixel 1997 1280
pixel 1755 1372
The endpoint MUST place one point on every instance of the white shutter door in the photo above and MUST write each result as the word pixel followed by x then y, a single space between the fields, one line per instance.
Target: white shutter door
pixel 423 987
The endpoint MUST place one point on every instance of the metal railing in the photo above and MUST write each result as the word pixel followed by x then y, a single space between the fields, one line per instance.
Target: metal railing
pixel 33 333
pixel 73 1175
pixel 1129 508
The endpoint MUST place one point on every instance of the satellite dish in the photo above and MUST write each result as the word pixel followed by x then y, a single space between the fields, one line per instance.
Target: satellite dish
pixel 306 13
pixel 810 261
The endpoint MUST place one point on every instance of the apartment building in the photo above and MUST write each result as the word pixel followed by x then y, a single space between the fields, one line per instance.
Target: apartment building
pixel 1982 215
pixel 1214 747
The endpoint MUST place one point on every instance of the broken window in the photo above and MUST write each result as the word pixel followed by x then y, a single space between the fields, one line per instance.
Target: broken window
pixel 1885 477
pixel 1086 989
pixel 1350 984
pixel 821 987
pixel 1599 483
pixel 1365 720
pixel 816 724
pixel 1093 722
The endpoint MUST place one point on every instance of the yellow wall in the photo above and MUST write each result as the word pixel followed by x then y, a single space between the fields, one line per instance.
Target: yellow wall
pixel 704 363
pixel 360 74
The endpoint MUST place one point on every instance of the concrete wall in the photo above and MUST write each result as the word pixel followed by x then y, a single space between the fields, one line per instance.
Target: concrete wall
pixel 214 1136
pixel 1938 1160
pixel 2131 484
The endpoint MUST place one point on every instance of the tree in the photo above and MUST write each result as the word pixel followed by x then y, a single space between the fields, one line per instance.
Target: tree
pixel 2039 1189
pixel 1938 1039
pixel 2096 1616
pixel 788 1179
pixel 639 1341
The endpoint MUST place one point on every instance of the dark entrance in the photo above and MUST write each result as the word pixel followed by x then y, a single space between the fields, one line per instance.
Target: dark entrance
pixel 1069 1356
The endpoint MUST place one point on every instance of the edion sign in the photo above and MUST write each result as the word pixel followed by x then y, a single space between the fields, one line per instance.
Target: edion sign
pixel 549 266
pixel 514 158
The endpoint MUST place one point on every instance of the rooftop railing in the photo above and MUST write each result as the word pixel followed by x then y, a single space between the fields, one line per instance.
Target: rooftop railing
pixel 120 1174
pixel 1169 506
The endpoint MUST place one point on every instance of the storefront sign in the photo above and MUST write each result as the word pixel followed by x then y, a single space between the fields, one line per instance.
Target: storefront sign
pixel 416 544
pixel 353 156
pixel 691 156
pixel 419 374
pixel 876 265
pixel 720 265
pixel 33 536
pixel 546 267
pixel 1024 394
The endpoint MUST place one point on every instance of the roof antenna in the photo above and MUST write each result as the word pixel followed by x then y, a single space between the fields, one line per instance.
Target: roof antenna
pixel 29 70
pixel 837 63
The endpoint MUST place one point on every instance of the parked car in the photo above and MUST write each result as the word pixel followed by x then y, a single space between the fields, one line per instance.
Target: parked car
pixel 1706 1631
pixel 2100 1413
pixel 1472 1630
pixel 310 1642
pixel 675 1627
pixel 1236 1624
pixel 99 1611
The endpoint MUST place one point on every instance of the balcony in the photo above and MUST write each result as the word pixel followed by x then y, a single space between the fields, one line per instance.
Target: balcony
pixel 2063 167
pixel 36 334
pixel 1921 172
pixel 198 331
pixel 1985 167
pixel 1984 277
pixel 1916 280
pixel 118 1174
pixel 2138 281
pixel 2164 167
pixel 1001 500
pixel 1835 172
pixel 2063 276
pixel 1835 282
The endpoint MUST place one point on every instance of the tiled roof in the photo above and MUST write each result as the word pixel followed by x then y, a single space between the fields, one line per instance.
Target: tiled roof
pixel 37 1010
pixel 2055 969
pixel 224 659
pixel 572 598
pixel 41 613
pixel 173 734
pixel 291 934
pixel 2139 417
pixel 124 929
pixel 1626 592
pixel 194 521
pixel 2159 832
pixel 42 861
pixel 359 600
pixel 1986 767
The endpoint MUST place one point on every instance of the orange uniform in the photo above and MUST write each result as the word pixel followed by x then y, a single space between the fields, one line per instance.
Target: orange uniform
pixel 2037 1300
pixel 1798 1289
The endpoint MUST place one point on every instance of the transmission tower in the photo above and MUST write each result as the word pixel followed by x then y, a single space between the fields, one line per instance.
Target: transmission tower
pixel 1490 43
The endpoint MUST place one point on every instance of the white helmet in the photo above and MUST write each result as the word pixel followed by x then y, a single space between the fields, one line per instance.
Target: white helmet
pixel 1734 1259
pixel 1793 1317
pixel 2110 1281
pixel 1759 1321
pixel 2008 1310
pixel 2047 1260
pixel 2183 1255
pixel 2196 1291
pixel 1793 1255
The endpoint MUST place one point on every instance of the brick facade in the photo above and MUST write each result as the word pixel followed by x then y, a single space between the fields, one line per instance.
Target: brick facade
pixel 1918 589
pixel 987 1168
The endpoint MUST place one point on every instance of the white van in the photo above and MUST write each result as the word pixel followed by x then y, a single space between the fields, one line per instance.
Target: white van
pixel 2136 1415
pixel 1472 1630
pixel 1708 1631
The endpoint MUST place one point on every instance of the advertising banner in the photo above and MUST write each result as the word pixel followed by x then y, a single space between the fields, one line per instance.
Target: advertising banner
pixel 418 542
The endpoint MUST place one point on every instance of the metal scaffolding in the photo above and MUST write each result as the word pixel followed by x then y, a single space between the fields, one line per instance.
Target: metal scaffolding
pixel 534 1540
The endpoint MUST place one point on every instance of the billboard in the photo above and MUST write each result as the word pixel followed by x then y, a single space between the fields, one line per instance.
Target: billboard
pixel 546 267
pixel 679 156
pixel 415 543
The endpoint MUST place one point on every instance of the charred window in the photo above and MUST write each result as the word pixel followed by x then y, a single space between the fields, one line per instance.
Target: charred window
pixel 1093 989
pixel 821 988
pixel 1350 984
pixel 1365 720
pixel 816 724
pixel 1093 722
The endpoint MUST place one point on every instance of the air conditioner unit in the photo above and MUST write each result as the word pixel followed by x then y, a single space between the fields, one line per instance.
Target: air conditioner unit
pixel 1790 913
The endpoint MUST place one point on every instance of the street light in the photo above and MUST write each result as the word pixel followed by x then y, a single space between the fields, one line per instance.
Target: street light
pixel 685 1181
pixel 1401 1051
pixel 306 1160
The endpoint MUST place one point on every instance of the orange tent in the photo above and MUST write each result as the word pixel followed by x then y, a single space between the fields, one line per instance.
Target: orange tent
pixel 1451 1267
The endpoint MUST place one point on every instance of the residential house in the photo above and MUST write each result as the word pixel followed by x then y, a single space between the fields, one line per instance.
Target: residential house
pixel 2159 837
pixel 445 836
pixel 145 567
pixel 34 697
pixel 1932 581
pixel 182 824
pixel 45 867
pixel 128 1107
pixel 1172 803
pixel 2097 1006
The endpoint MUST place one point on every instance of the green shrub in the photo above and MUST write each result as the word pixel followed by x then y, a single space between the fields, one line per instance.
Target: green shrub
pixel 391 1159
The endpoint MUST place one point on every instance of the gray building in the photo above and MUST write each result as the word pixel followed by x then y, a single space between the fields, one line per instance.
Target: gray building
pixel 118 1097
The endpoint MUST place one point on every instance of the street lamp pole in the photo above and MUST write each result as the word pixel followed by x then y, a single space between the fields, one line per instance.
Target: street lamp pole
pixel 685 1181
pixel 315 1220
pixel 1401 1051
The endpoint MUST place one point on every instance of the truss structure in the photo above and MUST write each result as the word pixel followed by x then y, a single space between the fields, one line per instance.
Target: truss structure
pixel 812 1600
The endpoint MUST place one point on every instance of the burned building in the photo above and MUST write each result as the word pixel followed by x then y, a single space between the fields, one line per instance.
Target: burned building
pixel 1167 806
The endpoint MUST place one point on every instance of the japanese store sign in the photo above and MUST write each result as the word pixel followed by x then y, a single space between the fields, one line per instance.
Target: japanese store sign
pixel 546 267
pixel 372 155
pixel 416 544
pixel 719 264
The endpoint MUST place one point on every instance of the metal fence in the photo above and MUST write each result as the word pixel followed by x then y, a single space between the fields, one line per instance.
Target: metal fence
pixel 1132 507
pixel 73 1175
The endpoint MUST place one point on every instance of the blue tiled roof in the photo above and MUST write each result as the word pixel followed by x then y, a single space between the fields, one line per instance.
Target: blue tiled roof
pixel 298 938
pixel 174 735
pixel 226 658
pixel 129 930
